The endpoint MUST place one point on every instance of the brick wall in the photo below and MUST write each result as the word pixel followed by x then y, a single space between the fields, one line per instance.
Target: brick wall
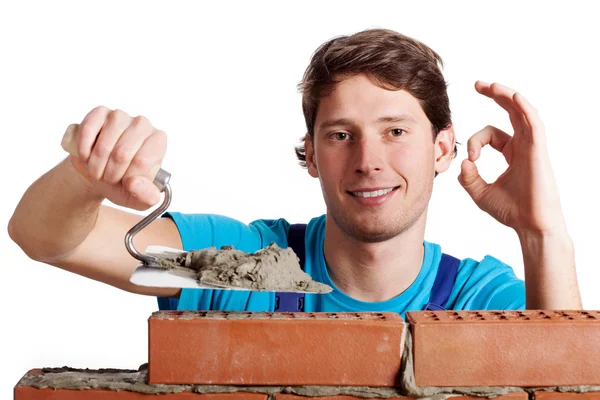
pixel 514 355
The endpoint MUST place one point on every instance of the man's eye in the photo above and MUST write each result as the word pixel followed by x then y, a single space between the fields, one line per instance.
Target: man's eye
pixel 340 136
pixel 397 132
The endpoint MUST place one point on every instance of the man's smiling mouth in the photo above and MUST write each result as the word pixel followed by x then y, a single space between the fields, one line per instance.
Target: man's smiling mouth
pixel 373 193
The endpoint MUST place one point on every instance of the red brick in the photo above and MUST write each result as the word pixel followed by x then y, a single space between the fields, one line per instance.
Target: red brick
pixel 295 397
pixel 510 396
pixel 244 348
pixel 30 393
pixel 506 348
pixel 566 396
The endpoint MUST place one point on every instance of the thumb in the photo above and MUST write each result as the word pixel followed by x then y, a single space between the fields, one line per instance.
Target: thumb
pixel 79 166
pixel 470 179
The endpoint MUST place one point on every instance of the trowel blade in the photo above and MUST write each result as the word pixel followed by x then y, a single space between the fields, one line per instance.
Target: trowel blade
pixel 171 278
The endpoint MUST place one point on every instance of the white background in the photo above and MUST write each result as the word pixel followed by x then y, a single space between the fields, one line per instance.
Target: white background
pixel 221 81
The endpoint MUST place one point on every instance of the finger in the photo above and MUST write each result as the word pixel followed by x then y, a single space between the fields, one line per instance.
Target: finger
pixel 489 135
pixel 117 121
pixel 503 96
pixel 142 193
pixel 125 149
pixel 148 159
pixel 88 131
pixel 470 179
pixel 146 164
pixel 531 115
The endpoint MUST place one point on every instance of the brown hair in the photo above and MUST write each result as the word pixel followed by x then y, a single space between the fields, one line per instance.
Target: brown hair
pixel 394 61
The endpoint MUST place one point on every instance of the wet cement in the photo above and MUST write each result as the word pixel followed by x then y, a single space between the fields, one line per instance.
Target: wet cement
pixel 269 269
pixel 135 381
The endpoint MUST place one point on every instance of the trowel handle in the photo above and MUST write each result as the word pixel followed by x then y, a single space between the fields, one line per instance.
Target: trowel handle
pixel 69 144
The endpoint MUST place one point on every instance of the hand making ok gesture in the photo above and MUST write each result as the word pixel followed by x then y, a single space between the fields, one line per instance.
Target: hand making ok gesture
pixel 525 197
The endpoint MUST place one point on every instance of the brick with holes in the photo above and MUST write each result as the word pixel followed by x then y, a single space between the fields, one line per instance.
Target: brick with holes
pixel 245 348
pixel 506 348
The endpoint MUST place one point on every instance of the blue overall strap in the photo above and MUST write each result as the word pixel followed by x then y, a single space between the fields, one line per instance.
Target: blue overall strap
pixel 444 282
pixel 286 301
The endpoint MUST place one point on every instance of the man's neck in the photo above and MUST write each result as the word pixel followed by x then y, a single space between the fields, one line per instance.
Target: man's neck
pixel 374 272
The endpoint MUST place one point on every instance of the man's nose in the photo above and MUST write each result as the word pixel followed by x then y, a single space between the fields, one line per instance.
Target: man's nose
pixel 368 155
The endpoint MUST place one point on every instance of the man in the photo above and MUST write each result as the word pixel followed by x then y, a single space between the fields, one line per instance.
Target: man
pixel 379 131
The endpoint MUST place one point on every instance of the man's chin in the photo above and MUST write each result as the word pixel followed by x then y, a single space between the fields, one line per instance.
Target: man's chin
pixel 370 234
pixel 375 236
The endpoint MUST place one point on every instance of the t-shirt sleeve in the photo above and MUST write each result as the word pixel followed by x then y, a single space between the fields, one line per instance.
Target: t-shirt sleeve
pixel 200 231
pixel 488 285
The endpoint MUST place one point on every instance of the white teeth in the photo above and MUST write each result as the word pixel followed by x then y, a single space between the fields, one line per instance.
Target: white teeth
pixel 374 193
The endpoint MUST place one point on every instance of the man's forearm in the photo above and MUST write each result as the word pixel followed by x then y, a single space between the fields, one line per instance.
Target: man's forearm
pixel 55 215
pixel 550 275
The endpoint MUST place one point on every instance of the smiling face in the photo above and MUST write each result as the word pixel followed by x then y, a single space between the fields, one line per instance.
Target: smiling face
pixel 374 154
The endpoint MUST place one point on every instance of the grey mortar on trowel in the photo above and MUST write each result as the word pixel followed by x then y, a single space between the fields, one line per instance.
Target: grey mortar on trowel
pixel 268 269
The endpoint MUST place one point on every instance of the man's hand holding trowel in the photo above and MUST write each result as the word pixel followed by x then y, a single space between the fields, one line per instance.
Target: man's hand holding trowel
pixel 117 159
pixel 119 156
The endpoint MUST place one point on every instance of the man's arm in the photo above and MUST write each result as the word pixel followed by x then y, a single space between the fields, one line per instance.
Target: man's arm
pixel 60 219
pixel 525 198
pixel 550 277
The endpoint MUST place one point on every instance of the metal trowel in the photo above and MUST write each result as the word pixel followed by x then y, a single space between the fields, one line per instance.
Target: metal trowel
pixel 148 271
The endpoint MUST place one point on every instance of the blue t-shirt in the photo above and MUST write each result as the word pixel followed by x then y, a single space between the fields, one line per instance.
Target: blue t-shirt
pixel 485 285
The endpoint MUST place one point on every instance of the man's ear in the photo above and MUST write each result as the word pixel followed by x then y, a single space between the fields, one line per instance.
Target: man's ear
pixel 309 151
pixel 445 142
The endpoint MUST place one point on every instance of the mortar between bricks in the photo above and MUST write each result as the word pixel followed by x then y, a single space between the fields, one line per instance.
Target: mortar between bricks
pixel 135 381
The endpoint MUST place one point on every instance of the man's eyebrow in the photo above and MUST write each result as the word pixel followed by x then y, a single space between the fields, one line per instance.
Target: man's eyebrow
pixel 397 118
pixel 336 122
pixel 349 122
